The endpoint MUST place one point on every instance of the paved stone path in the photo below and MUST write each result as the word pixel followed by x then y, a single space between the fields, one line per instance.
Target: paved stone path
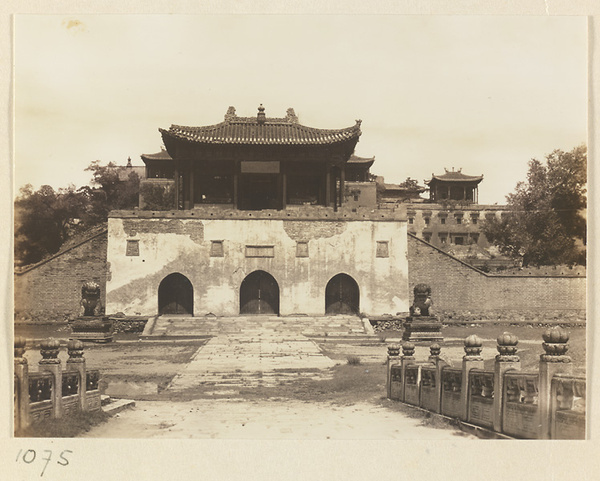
pixel 266 419
pixel 253 359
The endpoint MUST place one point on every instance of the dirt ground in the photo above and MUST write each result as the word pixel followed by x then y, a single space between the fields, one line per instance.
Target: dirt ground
pixel 268 419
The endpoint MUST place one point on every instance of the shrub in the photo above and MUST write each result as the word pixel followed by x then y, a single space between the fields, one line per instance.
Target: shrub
pixel 353 360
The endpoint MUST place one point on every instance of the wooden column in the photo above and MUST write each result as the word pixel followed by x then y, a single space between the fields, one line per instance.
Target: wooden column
pixel 191 190
pixel 176 177
pixel 283 190
pixel 328 187
pixel 235 190
pixel 342 181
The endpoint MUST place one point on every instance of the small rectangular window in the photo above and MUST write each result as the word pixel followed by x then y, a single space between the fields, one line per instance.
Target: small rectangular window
pixel 427 219
pixel 458 218
pixel 216 248
pixel 442 220
pixel 302 249
pixel 459 240
pixel 260 251
pixel 382 249
pixel 443 239
pixel 427 237
pixel 474 218
pixel 411 220
pixel 133 248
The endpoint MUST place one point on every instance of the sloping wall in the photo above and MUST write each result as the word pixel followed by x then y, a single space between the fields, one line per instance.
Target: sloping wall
pixel 460 289
pixel 51 289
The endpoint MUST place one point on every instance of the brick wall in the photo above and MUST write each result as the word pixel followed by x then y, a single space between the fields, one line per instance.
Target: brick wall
pixel 459 289
pixel 51 290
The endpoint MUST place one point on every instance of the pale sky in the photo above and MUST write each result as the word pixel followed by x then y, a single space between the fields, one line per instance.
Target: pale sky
pixel 485 94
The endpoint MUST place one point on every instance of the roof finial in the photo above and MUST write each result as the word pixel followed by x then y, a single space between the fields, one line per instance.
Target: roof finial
pixel 261 114
pixel 230 114
pixel 291 116
pixel 129 162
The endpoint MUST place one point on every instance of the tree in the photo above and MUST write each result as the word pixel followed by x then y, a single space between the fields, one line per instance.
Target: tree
pixel 545 225
pixel 45 219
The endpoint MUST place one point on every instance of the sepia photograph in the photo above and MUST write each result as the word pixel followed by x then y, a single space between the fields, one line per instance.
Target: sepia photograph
pixel 293 242
pixel 300 227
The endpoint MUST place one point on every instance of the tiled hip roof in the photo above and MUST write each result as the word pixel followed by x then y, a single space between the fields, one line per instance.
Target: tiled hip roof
pixel 269 133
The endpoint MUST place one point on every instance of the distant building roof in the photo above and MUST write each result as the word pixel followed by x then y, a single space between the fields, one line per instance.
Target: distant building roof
pixel 455 176
pixel 403 188
pixel 162 155
pixel 261 130
pixel 362 161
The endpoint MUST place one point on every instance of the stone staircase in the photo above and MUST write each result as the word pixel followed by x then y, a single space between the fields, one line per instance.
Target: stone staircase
pixel 181 327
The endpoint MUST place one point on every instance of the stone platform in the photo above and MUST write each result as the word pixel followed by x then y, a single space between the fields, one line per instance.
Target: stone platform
pixel 209 326
pixel 422 328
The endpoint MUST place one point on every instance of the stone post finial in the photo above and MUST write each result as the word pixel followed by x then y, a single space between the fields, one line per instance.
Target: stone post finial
pixel 435 349
pixel 393 350
pixel 408 349
pixel 20 350
pixel 75 349
pixel 473 347
pixel 507 347
pixel 555 345
pixel 49 350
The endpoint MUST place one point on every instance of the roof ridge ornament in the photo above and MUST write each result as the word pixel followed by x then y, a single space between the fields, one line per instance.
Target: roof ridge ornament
pixel 230 114
pixel 261 117
pixel 291 116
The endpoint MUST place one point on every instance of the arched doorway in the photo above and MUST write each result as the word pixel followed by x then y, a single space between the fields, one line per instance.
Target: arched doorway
pixel 176 295
pixel 342 295
pixel 259 294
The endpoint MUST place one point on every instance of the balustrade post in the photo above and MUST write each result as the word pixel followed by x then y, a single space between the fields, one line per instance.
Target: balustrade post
pixel 76 362
pixel 471 360
pixel 408 351
pixel 393 357
pixel 506 360
pixel 434 357
pixel 554 361
pixel 21 415
pixel 50 362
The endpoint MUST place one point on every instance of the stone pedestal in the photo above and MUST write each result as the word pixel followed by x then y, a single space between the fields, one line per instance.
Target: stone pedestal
pixel 51 363
pixel 422 328
pixel 506 360
pixel 554 361
pixel 21 414
pixel 92 328
pixel 76 362
pixel 393 359
pixel 471 360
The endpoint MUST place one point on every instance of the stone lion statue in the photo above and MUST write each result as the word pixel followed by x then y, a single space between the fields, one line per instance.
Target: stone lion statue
pixel 90 298
pixel 422 303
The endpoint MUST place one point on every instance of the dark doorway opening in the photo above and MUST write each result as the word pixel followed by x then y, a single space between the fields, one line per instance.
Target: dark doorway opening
pixel 260 191
pixel 259 294
pixel 342 295
pixel 176 295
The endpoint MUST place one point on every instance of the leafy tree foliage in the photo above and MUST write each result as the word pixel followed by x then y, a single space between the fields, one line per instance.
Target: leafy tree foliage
pixel 546 225
pixel 46 218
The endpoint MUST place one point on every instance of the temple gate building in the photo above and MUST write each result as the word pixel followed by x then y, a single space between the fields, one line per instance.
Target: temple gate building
pixel 257 215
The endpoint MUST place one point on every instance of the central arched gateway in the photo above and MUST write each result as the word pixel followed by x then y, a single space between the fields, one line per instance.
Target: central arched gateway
pixel 176 295
pixel 259 294
pixel 342 295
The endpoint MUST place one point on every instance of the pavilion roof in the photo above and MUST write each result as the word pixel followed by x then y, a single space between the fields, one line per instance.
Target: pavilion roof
pixel 361 161
pixel 162 155
pixel 455 176
pixel 261 130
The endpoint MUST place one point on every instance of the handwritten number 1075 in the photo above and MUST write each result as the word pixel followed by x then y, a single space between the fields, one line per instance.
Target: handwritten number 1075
pixel 30 455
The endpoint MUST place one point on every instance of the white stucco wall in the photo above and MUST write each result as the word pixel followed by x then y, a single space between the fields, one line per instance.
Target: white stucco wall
pixel 168 245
